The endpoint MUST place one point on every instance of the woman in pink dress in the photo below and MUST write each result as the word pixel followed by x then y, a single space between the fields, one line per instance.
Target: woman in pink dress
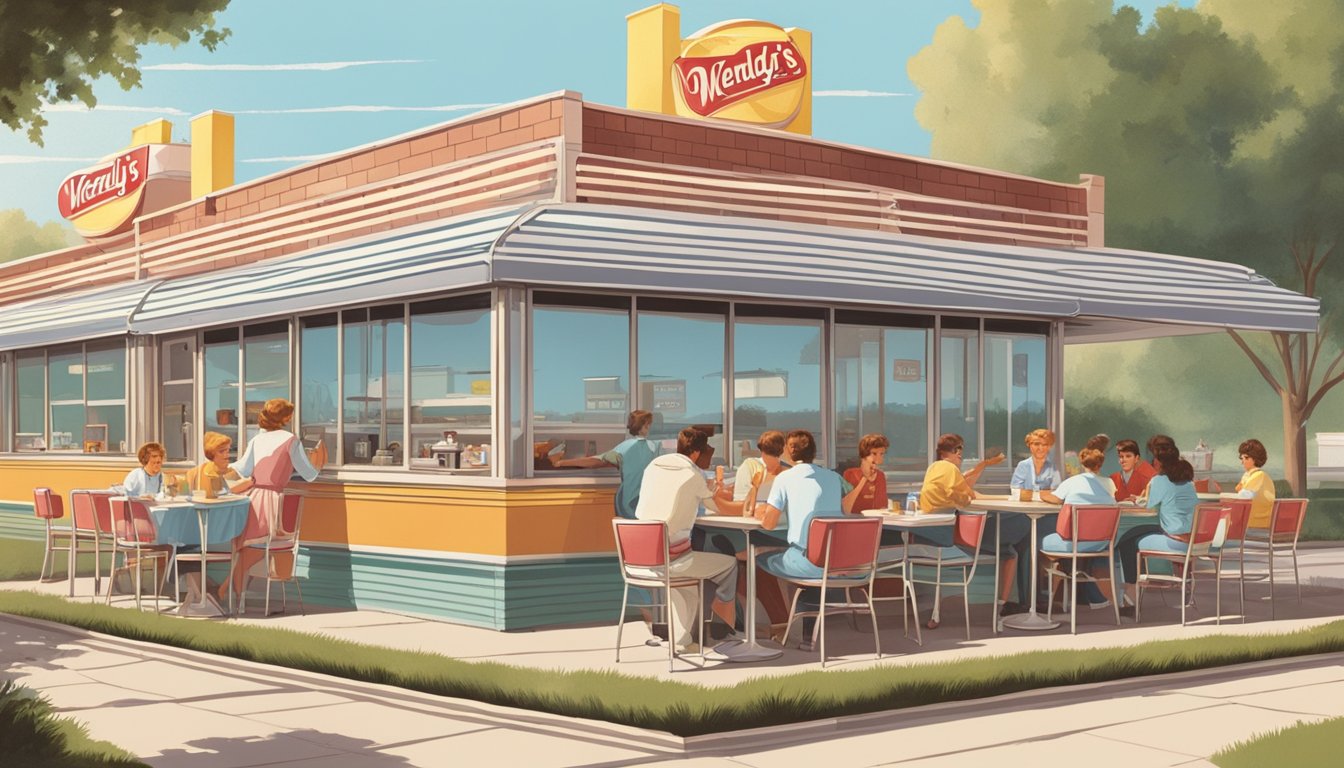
pixel 271 457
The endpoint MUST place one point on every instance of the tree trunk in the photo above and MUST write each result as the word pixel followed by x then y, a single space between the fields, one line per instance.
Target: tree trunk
pixel 1294 444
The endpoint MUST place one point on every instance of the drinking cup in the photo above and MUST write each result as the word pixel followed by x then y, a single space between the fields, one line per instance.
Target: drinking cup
pixel 1024 494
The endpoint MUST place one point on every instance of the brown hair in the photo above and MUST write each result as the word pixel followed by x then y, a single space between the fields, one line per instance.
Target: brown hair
pixel 772 442
pixel 147 450
pixel 1255 449
pixel 214 442
pixel 870 443
pixel 1127 446
pixel 802 446
pixel 638 420
pixel 1091 458
pixel 275 413
pixel 1044 435
pixel 1157 441
pixel 949 443
pixel 1178 470
pixel 690 440
pixel 1099 442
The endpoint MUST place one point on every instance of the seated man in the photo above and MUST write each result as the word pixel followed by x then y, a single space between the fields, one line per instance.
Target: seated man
pixel 672 490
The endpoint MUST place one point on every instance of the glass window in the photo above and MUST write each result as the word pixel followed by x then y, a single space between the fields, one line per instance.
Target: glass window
pixel 177 418
pixel 681 348
pixel 881 386
pixel 374 344
pixel 959 383
pixel 580 375
pixel 85 397
pixel 222 412
pixel 319 389
pixel 31 390
pixel 520 454
pixel 776 378
pixel 451 386
pixel 266 367
pixel 1014 391
pixel 105 389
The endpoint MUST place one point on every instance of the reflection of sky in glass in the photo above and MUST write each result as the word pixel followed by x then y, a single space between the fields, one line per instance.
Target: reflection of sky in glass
pixel 688 348
pixel 571 344
pixel 1013 408
pixel 318 365
pixel 789 345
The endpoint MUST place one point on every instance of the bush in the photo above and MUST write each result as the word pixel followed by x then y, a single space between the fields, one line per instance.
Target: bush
pixel 33 737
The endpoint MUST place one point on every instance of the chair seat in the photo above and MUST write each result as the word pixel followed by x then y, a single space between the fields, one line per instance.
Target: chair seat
pixel 1084 548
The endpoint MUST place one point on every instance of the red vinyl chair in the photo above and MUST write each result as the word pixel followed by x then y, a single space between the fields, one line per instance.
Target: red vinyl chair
pixel 1089 527
pixel 968 533
pixel 642 545
pixel 49 506
pixel 845 549
pixel 1206 538
pixel 1238 515
pixel 281 549
pixel 92 511
pixel 134 536
pixel 1280 538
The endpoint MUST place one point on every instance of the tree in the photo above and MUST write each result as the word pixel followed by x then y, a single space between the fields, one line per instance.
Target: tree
pixel 1217 129
pixel 20 236
pixel 52 52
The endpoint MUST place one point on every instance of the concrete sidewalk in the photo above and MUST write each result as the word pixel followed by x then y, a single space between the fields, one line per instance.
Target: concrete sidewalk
pixel 181 708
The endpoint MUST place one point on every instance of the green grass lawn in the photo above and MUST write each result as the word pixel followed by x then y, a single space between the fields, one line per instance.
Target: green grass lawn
pixel 1308 745
pixel 33 737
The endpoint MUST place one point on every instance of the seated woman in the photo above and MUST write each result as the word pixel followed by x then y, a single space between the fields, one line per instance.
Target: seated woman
pixel 214 473
pixel 868 480
pixel 1256 484
pixel 146 481
pixel 1035 473
pixel 1085 488
pixel 946 489
pixel 1172 494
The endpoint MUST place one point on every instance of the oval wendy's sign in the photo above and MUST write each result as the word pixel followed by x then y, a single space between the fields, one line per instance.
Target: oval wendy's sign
pixel 748 71
pixel 103 199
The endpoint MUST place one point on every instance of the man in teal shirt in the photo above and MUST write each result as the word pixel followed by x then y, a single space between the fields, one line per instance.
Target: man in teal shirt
pixel 631 456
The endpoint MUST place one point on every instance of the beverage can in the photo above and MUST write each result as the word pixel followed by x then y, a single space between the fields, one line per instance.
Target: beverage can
pixel 912 503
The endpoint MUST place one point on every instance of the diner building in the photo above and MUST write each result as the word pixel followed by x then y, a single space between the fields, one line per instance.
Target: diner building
pixel 525 276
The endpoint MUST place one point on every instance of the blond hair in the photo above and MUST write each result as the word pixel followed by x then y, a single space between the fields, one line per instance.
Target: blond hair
pixel 214 442
pixel 275 413
pixel 1044 435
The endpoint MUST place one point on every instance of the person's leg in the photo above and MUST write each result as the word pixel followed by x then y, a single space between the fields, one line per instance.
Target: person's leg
pixel 683 615
pixel 247 557
pixel 719 569
pixel 1127 552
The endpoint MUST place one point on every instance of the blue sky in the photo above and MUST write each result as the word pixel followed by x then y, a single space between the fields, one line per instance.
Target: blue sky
pixel 299 74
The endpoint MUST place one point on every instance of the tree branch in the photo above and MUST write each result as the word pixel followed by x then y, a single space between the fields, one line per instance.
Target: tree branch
pixel 1281 343
pixel 1255 359
pixel 1325 387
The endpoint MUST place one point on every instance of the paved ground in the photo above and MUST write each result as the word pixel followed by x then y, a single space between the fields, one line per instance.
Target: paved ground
pixel 235 713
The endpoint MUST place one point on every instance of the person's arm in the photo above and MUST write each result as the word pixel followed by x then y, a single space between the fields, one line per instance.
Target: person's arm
pixel 236 483
pixel 306 468
pixel 1020 478
pixel 768 515
pixel 583 462
pixel 858 480
pixel 134 484
pixel 1050 497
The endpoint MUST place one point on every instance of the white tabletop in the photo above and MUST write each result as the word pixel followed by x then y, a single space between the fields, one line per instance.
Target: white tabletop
pixel 1011 504
pixel 902 520
pixel 728 521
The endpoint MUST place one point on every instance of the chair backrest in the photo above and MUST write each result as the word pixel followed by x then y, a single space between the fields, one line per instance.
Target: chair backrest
pixel 132 522
pixel 1287 516
pixel 843 543
pixel 1207 485
pixel 291 515
pixel 92 510
pixel 1210 528
pixel 47 505
pixel 1090 522
pixel 969 530
pixel 641 543
pixel 1239 516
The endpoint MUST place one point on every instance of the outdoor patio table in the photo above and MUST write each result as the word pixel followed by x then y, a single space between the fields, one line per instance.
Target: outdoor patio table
pixel 999 505
pixel 179 528
pixel 749 649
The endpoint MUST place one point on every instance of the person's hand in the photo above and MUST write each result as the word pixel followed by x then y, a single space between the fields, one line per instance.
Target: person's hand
pixel 757 478
pixel 319 455
pixel 867 468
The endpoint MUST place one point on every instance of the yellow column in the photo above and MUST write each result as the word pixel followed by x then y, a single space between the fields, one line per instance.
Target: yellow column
pixel 211 152
pixel 154 132
pixel 803 122
pixel 653 42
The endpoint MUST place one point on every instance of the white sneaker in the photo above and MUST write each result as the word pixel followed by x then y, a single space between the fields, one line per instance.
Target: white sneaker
pixel 1099 606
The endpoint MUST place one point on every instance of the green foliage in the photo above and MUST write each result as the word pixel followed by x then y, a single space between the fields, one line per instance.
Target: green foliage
pixel 35 738
pixel 20 236
pixel 52 52
pixel 1306 745
pixel 681 708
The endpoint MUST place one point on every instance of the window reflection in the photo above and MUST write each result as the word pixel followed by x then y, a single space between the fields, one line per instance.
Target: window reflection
pixel 177 409
pixel 319 388
pixel 681 369
pixel 266 367
pixel 86 395
pixel 959 398
pixel 31 381
pixel 881 387
pixel 373 341
pixel 221 384
pixel 776 379
pixel 1014 391
pixel 450 379
pixel 580 369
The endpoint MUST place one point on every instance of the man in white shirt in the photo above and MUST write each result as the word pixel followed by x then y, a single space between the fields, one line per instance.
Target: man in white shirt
pixel 672 490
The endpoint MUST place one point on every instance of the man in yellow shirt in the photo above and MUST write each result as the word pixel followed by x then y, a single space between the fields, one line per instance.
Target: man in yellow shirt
pixel 1256 484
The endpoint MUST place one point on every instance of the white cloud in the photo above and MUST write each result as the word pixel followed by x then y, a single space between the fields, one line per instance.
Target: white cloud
pixel 114 108
pixel 309 66
pixel 30 159
pixel 360 108
pixel 860 94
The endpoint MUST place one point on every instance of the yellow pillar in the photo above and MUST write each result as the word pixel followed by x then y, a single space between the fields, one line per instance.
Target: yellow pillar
pixel 653 42
pixel 803 122
pixel 154 132
pixel 211 152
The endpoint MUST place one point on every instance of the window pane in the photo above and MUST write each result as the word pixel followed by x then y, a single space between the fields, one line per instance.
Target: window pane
pixel 177 414
pixel 520 454
pixel 106 368
pixel 580 393
pixel 450 382
pixel 777 380
pixel 65 374
pixel 373 386
pixel 881 387
pixel 67 426
pixel 32 400
pixel 960 396
pixel 266 363
pixel 222 413
pixel 114 418
pixel 1014 392
pixel 319 392
pixel 681 374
